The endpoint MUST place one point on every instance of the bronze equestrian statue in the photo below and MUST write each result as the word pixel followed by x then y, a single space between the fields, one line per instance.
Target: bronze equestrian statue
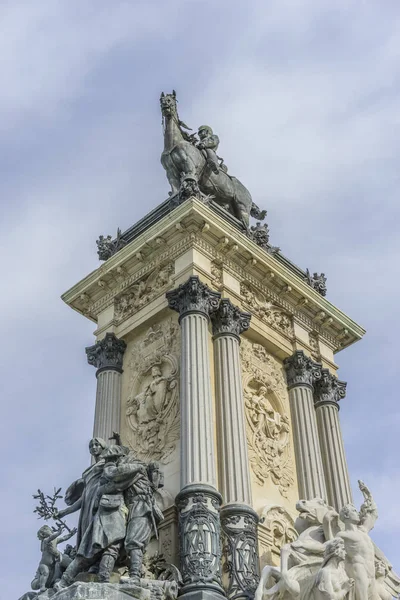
pixel 188 159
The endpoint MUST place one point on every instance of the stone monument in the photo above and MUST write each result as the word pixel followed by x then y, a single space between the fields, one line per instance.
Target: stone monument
pixel 217 409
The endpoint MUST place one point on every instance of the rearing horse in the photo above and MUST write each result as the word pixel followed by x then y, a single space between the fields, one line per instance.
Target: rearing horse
pixel 182 161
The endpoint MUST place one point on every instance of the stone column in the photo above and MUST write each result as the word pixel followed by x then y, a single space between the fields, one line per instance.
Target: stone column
pixel 198 501
pixel 107 355
pixel 328 390
pixel 301 372
pixel 239 521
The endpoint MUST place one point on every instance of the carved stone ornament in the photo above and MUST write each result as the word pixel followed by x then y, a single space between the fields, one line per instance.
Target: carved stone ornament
pixel 199 533
pixel 143 291
pixel 314 347
pixel 317 282
pixel 259 233
pixel 279 526
pixel 107 353
pixel 229 319
pixel 274 316
pixel 240 550
pixel 267 423
pixel 301 369
pixel 152 408
pixel 107 247
pixel 216 275
pixel 328 389
pixel 333 557
pixel 194 296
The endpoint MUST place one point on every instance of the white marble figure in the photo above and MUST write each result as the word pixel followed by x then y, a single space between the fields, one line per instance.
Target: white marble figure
pixel 332 559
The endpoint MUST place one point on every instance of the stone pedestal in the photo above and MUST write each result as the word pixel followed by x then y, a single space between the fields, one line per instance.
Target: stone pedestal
pixel 301 372
pixel 327 393
pixel 198 501
pixel 107 356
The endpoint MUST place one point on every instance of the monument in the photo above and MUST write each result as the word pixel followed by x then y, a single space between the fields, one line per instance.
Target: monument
pixel 218 466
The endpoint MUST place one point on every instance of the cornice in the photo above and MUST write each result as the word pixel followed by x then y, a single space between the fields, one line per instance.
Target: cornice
pixel 194 224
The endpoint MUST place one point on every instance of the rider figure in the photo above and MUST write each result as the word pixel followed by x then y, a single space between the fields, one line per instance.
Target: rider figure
pixel 209 142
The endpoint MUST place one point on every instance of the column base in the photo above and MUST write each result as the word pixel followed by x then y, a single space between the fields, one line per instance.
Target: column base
pixel 200 546
pixel 240 542
pixel 201 595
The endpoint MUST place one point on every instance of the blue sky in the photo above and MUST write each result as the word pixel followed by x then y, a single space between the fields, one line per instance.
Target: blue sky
pixel 304 95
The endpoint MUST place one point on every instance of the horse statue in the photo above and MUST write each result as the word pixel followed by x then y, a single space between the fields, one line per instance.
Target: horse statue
pixel 188 167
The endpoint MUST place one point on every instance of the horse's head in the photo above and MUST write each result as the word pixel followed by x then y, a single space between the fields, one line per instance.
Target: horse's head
pixel 168 104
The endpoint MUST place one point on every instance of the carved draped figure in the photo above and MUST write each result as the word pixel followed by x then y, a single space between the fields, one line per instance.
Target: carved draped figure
pixel 85 488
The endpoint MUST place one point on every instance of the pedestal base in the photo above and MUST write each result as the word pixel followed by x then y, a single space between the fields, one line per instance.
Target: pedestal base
pixel 201 595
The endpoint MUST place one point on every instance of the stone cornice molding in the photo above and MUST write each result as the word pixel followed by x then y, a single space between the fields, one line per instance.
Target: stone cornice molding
pixel 193 296
pixel 229 320
pixel 328 389
pixel 107 354
pixel 301 370
pixel 193 224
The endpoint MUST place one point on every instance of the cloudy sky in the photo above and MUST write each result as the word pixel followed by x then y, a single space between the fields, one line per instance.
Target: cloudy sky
pixel 304 95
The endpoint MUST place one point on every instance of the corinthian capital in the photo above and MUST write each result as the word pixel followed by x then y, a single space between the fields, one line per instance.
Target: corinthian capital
pixel 301 369
pixel 229 319
pixel 193 297
pixel 328 389
pixel 108 353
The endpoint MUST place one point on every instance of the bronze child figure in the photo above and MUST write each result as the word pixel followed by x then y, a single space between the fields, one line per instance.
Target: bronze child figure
pixel 52 559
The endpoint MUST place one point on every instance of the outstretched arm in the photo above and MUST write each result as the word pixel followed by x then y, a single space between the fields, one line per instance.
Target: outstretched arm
pixel 368 510
pixel 70 509
pixel 66 537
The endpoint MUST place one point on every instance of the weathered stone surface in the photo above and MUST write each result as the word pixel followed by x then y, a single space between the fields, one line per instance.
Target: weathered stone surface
pixel 102 591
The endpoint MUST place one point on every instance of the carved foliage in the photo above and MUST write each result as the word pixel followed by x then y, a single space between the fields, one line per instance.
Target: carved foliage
pixel 107 353
pixel 266 311
pixel 301 369
pixel 143 291
pixel 193 296
pixel 152 412
pixel 314 346
pixel 268 428
pixel 229 319
pixel 328 389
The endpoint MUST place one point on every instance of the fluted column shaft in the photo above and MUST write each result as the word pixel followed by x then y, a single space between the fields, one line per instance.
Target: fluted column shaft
pixel 198 501
pixel 234 474
pixel 239 521
pixel 107 356
pixel 301 372
pixel 327 393
pixel 197 431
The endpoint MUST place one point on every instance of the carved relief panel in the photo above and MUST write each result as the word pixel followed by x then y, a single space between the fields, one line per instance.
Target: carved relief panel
pixel 276 528
pixel 143 291
pixel 273 315
pixel 267 420
pixel 152 406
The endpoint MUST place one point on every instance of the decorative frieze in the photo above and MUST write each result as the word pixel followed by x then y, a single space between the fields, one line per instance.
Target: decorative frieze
pixel 266 311
pixel 301 370
pixel 143 291
pixel 314 347
pixel 241 571
pixel 107 353
pixel 193 296
pixel 229 319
